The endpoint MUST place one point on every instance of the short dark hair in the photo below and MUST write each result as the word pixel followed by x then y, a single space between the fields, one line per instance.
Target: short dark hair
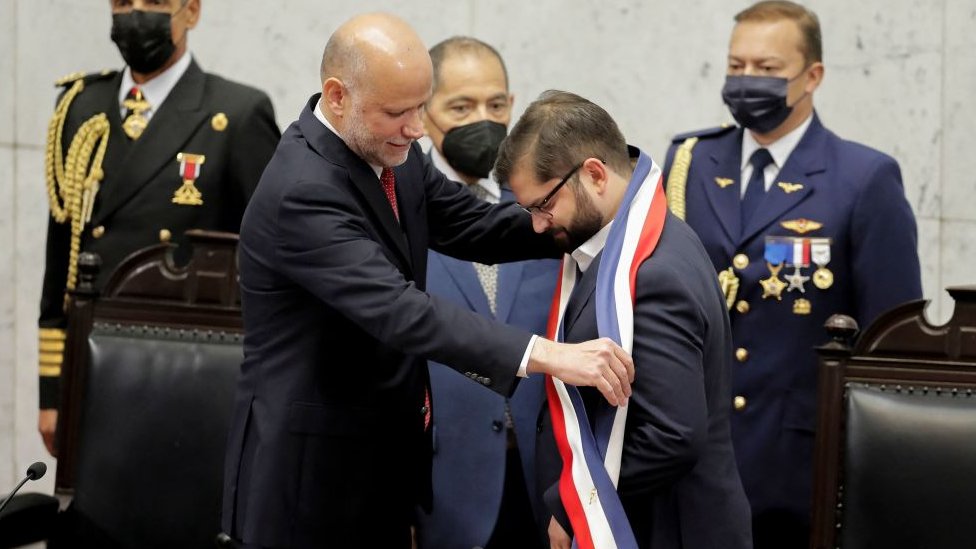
pixel 462 45
pixel 561 129
pixel 774 10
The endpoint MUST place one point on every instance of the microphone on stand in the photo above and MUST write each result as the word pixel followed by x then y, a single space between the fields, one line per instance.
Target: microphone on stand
pixel 34 472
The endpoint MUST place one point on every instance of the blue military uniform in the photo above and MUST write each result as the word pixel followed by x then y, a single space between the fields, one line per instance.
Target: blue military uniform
pixel 470 434
pixel 833 234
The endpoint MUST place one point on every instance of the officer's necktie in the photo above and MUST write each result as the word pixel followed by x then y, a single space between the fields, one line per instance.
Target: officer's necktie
pixel 389 189
pixel 134 122
pixel 756 189
pixel 487 274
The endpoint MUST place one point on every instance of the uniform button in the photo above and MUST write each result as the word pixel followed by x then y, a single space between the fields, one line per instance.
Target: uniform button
pixel 538 428
pixel 496 426
pixel 486 381
pixel 423 410
pixel 98 231
pixel 742 306
pixel 740 261
pixel 741 354
pixel 739 403
pixel 165 235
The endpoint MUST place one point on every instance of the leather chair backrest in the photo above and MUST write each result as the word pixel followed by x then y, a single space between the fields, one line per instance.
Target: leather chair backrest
pixel 153 428
pixel 910 467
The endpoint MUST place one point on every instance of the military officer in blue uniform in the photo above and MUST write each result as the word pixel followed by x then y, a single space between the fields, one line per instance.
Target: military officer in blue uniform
pixel 484 445
pixel 799 224
pixel 138 156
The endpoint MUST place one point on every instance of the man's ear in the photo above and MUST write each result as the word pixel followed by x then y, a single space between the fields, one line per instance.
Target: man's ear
pixel 598 172
pixel 815 76
pixel 192 14
pixel 334 96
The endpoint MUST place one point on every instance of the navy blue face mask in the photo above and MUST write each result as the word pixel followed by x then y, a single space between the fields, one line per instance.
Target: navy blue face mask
pixel 757 102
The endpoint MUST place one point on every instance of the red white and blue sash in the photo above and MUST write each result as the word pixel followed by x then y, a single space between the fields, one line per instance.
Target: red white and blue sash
pixel 591 457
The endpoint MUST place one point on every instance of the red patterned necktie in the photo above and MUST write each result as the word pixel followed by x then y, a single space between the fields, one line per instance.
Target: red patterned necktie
pixel 389 189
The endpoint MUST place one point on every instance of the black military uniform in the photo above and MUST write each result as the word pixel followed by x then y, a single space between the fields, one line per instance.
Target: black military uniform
pixel 194 166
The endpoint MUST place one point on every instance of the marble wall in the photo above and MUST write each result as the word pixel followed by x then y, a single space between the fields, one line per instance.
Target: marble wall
pixel 900 77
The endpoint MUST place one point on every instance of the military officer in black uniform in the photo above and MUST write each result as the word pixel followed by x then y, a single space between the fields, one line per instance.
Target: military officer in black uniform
pixel 138 156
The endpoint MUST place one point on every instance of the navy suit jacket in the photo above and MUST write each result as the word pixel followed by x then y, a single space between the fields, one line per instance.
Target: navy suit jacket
pixel 470 441
pixel 678 480
pixel 327 444
pixel 855 193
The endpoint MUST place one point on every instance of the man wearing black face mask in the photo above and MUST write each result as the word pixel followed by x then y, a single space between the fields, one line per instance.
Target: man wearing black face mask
pixel 174 148
pixel 483 466
pixel 799 225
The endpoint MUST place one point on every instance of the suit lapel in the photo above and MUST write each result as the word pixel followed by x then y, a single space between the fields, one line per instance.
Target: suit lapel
pixel 464 275
pixel 724 164
pixel 410 194
pixel 793 184
pixel 169 129
pixel 363 179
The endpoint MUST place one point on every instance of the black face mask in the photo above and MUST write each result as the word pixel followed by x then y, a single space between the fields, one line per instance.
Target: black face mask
pixel 471 149
pixel 144 39
pixel 757 102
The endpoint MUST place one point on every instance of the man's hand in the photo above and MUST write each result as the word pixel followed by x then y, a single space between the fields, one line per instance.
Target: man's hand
pixel 599 363
pixel 558 538
pixel 47 425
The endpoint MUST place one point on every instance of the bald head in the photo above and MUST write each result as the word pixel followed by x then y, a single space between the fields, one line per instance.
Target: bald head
pixel 368 45
pixel 376 78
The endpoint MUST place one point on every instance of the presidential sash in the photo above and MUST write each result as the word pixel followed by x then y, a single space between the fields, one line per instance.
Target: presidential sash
pixel 591 457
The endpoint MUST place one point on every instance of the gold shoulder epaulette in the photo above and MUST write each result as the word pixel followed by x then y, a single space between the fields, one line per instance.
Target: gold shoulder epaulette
pixel 69 79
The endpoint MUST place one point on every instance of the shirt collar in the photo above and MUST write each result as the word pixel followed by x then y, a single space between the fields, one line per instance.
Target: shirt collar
pixel 156 90
pixel 587 252
pixel 490 186
pixel 781 149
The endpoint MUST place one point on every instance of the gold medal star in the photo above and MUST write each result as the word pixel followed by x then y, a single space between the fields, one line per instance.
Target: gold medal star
pixel 773 286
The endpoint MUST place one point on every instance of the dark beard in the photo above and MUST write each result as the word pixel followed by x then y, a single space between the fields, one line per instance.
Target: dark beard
pixel 587 223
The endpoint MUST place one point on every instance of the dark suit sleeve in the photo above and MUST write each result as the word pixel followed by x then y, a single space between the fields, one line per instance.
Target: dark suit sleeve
pixel 467 228
pixel 325 247
pixel 668 411
pixel 884 244
pixel 52 299
pixel 253 142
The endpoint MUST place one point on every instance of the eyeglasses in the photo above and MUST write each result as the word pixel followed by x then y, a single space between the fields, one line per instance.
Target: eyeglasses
pixel 540 208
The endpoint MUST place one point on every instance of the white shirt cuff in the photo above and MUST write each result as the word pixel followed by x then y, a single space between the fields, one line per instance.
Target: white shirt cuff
pixel 523 366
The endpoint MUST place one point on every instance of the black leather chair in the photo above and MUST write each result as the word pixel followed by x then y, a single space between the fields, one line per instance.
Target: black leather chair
pixel 896 441
pixel 147 392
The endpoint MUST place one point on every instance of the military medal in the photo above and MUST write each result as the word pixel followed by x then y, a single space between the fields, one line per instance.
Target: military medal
pixel 801 259
pixel 135 122
pixel 796 281
pixel 801 307
pixel 820 254
pixel 776 253
pixel 188 194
